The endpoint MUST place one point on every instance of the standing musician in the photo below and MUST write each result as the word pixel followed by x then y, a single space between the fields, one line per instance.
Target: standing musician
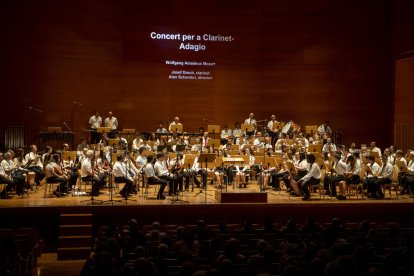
pixel 95 121
pixel 55 174
pixel 251 121
pixel 175 122
pixel 273 129
pixel 112 123
pixel 324 130
pixel 88 175
pixel 152 178
pixel 161 171
pixel 34 164
pixel 122 175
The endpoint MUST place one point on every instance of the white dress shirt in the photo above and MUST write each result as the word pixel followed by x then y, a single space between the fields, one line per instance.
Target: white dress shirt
pixel 36 160
pixel 119 169
pixel 111 122
pixel 375 170
pixel 341 167
pixel 314 172
pixel 86 168
pixel 387 171
pixel 160 168
pixel 95 121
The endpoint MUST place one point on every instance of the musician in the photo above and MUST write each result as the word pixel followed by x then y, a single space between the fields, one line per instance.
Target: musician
pixel 136 143
pixel 88 175
pixel 373 170
pixel 352 147
pixel 152 178
pixel 176 168
pixel 142 157
pixel 273 128
pixel 390 158
pixel 237 133
pixel 384 177
pixel 161 128
pixel 55 174
pixel 34 164
pixel 175 122
pixel 337 174
pixel 352 175
pixel 226 134
pixel 19 160
pixel 373 147
pixel 48 150
pixel 282 141
pixel 406 179
pixel 251 121
pixel 324 130
pixel 329 147
pixel 311 178
pixel 112 123
pixel 161 171
pixel 204 140
pixel 196 146
pixel 95 121
pixel 201 171
pixel 122 175
pixel 5 177
pixel 102 165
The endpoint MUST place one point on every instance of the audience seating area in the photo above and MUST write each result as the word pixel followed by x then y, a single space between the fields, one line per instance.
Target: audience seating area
pixel 312 248
pixel 19 251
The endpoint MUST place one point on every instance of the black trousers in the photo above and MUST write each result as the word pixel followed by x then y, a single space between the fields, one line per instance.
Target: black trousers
pixel 275 178
pixel 304 186
pixel 95 136
pixel 63 183
pixel 9 187
pixel 163 183
pixel 172 183
pixel 331 181
pixel 39 175
pixel 129 185
pixel 377 185
pixel 97 183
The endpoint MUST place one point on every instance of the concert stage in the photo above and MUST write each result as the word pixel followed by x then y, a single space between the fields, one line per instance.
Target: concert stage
pixel 43 213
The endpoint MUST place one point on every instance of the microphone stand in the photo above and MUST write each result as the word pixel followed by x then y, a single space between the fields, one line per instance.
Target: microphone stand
pixel 73 114
pixel 176 199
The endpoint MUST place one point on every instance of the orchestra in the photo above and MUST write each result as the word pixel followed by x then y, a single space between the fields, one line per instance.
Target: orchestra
pixel 170 158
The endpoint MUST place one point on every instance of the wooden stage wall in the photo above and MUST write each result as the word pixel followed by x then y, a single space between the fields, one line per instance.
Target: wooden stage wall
pixel 306 61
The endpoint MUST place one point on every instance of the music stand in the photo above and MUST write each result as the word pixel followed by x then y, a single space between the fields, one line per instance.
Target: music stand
pixel 247 128
pixel 161 148
pixel 205 158
pixel 177 128
pixel 111 200
pixel 54 129
pixel 312 130
pixel 213 129
pixel 402 166
pixel 315 148
pixel 180 148
pixel 213 142
pixel 69 155
pixel 103 129
pixel 113 142
pixel 128 132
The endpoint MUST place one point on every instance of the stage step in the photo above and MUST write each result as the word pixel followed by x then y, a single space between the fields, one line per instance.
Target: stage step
pixel 74 253
pixel 66 219
pixel 75 236
pixel 247 196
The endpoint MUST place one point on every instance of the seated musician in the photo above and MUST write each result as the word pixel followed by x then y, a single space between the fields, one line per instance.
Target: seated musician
pixel 69 168
pixel 112 123
pixel 299 170
pixel 200 171
pixel 237 132
pixel 55 174
pixel 48 150
pixel 240 175
pixel 313 177
pixel 102 167
pixel 226 135
pixel 373 147
pixel 88 174
pixel 82 144
pixel 152 178
pixel 5 178
pixel 329 147
pixel 34 164
pixel 19 160
pixel 281 142
pixel 175 122
pixel 196 146
pixel 161 171
pixel 136 143
pixel 176 168
pixel 384 177
pixel 258 141
pixel 267 174
pixel 373 170
pixel 161 128
pixel 352 175
pixel 390 158
pixel 407 179
pixel 95 121
pixel 123 175
pixel 336 175
pixel 142 157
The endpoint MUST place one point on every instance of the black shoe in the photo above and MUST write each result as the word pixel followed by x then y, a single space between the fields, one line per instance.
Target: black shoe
pixel 341 197
pixel 57 193
pixel 161 197
pixel 305 198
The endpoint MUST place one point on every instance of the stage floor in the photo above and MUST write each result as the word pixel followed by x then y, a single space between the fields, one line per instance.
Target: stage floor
pixel 37 199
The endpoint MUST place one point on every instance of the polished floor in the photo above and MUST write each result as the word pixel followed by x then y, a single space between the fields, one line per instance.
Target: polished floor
pixel 48 265
pixel 37 198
